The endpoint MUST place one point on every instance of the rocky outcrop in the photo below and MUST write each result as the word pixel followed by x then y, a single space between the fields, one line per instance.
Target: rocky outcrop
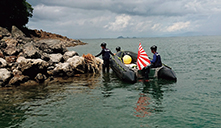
pixel 46 35
pixel 25 60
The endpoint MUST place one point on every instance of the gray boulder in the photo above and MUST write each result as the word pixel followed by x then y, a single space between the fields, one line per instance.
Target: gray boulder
pixel 63 69
pixel 4 32
pixel 56 46
pixel 77 63
pixel 12 50
pixel 3 63
pixel 5 76
pixel 56 58
pixel 30 51
pixel 31 67
pixel 69 54
pixel 17 32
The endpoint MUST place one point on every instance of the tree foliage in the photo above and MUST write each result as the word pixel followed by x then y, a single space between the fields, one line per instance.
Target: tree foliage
pixel 14 12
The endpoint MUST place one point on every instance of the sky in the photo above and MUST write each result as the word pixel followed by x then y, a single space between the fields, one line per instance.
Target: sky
pixel 83 19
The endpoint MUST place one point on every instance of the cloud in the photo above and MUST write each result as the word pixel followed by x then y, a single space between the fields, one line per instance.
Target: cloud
pixel 43 12
pixel 178 26
pixel 111 18
pixel 120 23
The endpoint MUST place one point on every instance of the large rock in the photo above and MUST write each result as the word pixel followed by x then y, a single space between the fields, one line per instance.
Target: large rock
pixel 56 58
pixel 12 50
pixel 4 32
pixel 17 32
pixel 55 45
pixel 18 79
pixel 63 69
pixel 11 41
pixel 77 63
pixel 73 65
pixel 31 67
pixel 5 76
pixel 30 51
pixel 3 63
pixel 69 54
pixel 44 47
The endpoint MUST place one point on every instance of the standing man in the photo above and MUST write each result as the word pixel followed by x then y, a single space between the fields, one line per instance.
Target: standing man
pixel 105 56
pixel 156 62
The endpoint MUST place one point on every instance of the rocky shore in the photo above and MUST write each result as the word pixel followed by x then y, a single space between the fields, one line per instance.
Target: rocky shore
pixel 34 57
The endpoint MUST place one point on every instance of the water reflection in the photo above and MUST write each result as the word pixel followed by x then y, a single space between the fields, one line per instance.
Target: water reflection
pixel 150 99
pixel 18 103
pixel 142 106
pixel 106 83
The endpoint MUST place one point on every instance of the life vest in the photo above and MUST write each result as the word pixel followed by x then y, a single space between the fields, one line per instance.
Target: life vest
pixel 158 62
pixel 106 54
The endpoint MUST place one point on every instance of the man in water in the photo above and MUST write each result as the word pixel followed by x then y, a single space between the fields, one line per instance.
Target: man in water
pixel 105 56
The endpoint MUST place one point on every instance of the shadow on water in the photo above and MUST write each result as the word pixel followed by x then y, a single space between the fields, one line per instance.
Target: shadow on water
pixel 110 81
pixel 150 98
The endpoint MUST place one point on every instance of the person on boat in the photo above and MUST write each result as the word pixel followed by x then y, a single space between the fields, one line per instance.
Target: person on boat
pixel 105 52
pixel 156 61
pixel 119 52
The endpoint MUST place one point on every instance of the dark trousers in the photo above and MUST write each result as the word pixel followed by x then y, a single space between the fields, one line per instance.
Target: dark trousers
pixel 106 65
pixel 145 72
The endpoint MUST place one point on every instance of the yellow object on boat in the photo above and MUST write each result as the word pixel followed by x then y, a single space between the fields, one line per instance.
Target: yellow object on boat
pixel 127 59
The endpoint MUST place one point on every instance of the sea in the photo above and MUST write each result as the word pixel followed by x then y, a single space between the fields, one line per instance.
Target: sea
pixel 102 100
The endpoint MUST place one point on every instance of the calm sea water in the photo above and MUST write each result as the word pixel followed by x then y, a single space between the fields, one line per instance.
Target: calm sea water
pixel 104 101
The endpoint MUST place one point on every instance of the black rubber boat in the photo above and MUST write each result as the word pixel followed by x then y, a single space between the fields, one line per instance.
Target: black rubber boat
pixel 131 75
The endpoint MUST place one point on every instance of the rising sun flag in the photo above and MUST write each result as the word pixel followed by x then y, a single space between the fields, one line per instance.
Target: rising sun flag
pixel 142 58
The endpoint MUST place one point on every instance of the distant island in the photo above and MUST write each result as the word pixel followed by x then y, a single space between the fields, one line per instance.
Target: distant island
pixel 121 37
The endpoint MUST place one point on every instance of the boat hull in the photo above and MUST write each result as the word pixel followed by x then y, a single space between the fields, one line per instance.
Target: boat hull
pixel 121 70
pixel 127 74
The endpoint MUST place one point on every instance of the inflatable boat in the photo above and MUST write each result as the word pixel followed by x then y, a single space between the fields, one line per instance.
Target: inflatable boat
pixel 130 72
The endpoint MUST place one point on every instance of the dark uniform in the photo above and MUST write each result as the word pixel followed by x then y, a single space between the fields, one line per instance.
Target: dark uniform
pixel 119 52
pixel 155 63
pixel 105 56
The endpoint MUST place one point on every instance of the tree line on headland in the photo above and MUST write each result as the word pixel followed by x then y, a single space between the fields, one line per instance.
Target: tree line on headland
pixel 34 56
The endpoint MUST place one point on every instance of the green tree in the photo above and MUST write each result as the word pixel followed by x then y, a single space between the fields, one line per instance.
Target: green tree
pixel 15 12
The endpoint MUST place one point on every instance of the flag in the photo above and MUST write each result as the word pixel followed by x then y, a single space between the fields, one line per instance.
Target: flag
pixel 142 58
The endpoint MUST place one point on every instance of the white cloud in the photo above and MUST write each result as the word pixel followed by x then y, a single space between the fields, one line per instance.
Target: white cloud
pixel 178 26
pixel 119 24
pixel 156 27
